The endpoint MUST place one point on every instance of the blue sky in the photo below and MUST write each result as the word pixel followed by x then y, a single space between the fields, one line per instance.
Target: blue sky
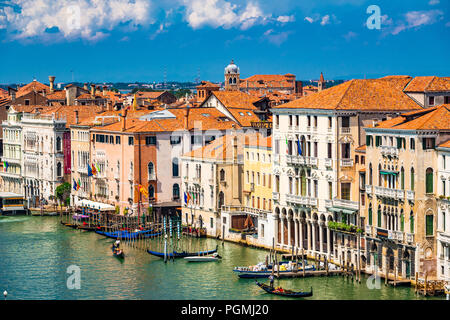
pixel 137 40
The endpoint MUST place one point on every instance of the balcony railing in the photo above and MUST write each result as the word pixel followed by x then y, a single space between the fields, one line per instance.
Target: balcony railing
pixel 345 130
pixel 302 200
pixel 301 160
pixel 389 193
pixel 410 237
pixel 389 151
pixel 368 189
pixel 152 176
pixel 369 230
pixel 410 195
pixel 313 161
pixel 243 209
pixel 328 203
pixel 346 162
pixel 276 196
pixel 328 162
pixel 345 204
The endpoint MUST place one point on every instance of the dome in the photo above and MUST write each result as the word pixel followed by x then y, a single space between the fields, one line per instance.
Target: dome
pixel 231 68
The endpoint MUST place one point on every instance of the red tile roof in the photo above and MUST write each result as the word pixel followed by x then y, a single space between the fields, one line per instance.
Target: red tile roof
pixel 445 144
pixel 32 86
pixel 428 84
pixel 359 94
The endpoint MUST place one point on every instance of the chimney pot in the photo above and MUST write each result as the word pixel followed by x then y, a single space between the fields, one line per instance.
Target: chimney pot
pixel 92 89
pixel 52 83
pixel 76 117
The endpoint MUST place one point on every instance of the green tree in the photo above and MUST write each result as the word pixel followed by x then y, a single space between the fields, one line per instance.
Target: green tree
pixel 63 193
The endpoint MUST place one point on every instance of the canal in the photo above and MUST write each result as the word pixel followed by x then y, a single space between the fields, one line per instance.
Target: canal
pixel 35 253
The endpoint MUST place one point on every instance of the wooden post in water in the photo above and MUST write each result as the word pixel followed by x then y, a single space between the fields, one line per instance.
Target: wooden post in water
pixel 417 282
pixel 326 264
pixel 304 262
pixel 425 290
pixel 296 259
pixel 223 234
pixel 386 271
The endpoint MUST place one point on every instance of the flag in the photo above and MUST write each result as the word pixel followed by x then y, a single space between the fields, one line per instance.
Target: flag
pixel 287 146
pixel 78 184
pixel 188 198
pixel 90 174
pixel 94 170
pixel 185 198
pixel 74 185
pixel 5 166
pixel 299 148
pixel 97 167
pixel 143 190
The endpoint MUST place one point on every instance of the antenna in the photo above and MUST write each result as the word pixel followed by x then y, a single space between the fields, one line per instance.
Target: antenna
pixel 197 80
pixel 165 77
pixel 72 74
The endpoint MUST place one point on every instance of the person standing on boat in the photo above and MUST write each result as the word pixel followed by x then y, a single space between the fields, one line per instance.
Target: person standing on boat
pixel 271 281
pixel 117 244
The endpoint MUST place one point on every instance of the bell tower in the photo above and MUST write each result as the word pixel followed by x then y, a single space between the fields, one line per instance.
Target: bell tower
pixel 232 77
pixel 321 83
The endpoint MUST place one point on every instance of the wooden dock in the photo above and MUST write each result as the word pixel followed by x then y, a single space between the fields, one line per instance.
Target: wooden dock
pixel 316 273
pixel 290 256
pixel 400 283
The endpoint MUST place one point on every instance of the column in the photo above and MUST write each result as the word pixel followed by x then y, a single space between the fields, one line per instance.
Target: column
pixel 289 231
pixel 282 230
pixel 308 240
pixel 301 233
pixel 328 242
pixel 296 232
pixel 321 237
pixel 313 229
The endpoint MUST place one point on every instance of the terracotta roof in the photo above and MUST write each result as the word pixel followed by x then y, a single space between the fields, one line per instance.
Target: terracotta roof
pixel 268 81
pixel 437 118
pixel 198 118
pixel 29 108
pixel 359 94
pixel 32 86
pixel 57 95
pixel 207 84
pixel 3 93
pixel 361 148
pixel 149 94
pixel 68 112
pixel 428 84
pixel 445 144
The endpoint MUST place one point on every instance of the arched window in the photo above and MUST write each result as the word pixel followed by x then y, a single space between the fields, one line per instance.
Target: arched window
pixel 379 217
pixel 176 191
pixel 151 191
pixel 234 80
pixel 221 199
pixel 412 179
pixel 411 222
pixel 402 178
pixel 370 174
pixel 379 175
pixel 175 167
pixel 59 169
pixel 230 81
pixel 222 175
pixel 303 182
pixel 150 169
pixel 58 144
pixel 370 214
pixel 402 221
pixel 429 180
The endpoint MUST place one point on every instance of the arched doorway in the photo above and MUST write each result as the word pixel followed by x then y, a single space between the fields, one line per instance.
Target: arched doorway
pixel 406 259
pixel 390 258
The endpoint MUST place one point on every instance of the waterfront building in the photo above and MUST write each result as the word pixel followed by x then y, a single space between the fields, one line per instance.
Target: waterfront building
pixel 316 182
pixel 402 187
pixel 443 214
pixel 429 91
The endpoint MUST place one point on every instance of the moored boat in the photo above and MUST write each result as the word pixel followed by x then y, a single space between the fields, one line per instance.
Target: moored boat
pixel 123 234
pixel 284 292
pixel 214 257
pixel 181 254
pixel 262 271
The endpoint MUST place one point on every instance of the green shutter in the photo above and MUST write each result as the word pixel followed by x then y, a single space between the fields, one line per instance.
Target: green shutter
pixel 402 179
pixel 402 223
pixel 368 140
pixel 429 182
pixel 379 218
pixel 370 216
pixel 412 180
pixel 411 224
pixel 429 225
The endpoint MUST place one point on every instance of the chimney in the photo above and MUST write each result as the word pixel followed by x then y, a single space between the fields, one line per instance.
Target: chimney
pixel 124 120
pixel 52 83
pixel 85 87
pixel 76 117
pixel 110 106
pixel 235 148
pixel 104 90
pixel 186 117
pixel 12 93
pixel 93 89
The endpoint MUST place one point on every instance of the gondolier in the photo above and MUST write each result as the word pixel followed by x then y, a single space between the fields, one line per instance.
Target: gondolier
pixel 271 281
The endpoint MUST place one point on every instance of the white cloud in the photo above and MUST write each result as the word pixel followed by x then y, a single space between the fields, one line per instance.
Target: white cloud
pixel 87 19
pixel 309 19
pixel 276 38
pixel 325 20
pixel 224 14
pixel 350 35
pixel 447 24
pixel 416 19
pixel 433 2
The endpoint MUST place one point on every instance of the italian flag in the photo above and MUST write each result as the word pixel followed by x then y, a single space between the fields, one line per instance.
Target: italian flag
pixel 287 146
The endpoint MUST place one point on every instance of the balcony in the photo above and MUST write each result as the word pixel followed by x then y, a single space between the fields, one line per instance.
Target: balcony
pixel 328 162
pixel 389 193
pixel 151 177
pixel 328 203
pixel 116 175
pixel 410 195
pixel 276 196
pixel 346 204
pixel 248 210
pixel 196 180
pixel 409 238
pixel 312 161
pixel 388 151
pixel 369 230
pixel 346 163
pixel 301 160
pixel 301 200
pixel 330 130
pixel 345 130
pixel 368 189
pixel 252 187
pixel 130 177
pixel 212 181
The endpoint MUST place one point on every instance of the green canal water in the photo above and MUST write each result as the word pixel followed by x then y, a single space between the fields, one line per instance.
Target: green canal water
pixel 35 253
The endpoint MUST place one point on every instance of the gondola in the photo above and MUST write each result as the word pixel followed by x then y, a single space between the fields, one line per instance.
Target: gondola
pixel 120 255
pixel 129 235
pixel 284 292
pixel 181 254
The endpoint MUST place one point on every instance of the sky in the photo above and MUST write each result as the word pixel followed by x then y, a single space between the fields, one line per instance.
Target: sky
pixel 143 40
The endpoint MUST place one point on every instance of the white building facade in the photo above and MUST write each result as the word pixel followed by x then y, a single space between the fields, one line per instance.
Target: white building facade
pixel 443 219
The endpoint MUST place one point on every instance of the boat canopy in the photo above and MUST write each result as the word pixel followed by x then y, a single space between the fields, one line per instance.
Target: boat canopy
pixel 95 205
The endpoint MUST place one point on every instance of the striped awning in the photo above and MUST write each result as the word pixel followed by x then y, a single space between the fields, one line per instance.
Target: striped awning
pixel 342 210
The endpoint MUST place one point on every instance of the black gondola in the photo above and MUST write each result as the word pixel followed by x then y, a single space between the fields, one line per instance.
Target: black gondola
pixel 284 292
pixel 119 255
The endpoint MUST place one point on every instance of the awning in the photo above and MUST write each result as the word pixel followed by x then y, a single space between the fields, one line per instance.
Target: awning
pixel 95 205
pixel 346 211
pixel 388 172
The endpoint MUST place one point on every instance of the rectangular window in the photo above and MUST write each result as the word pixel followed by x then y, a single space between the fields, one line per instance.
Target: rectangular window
pixel 130 141
pixel 117 139
pixel 196 139
pixel 431 101
pixel 262 230
pixel 315 121
pixel 345 122
pixel 111 139
pixel 429 225
pixel 150 140
pixel 345 191
pixel 428 143
pixel 175 140
pixel 330 190
pixel 212 223
pixel 412 144
pixel 329 146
